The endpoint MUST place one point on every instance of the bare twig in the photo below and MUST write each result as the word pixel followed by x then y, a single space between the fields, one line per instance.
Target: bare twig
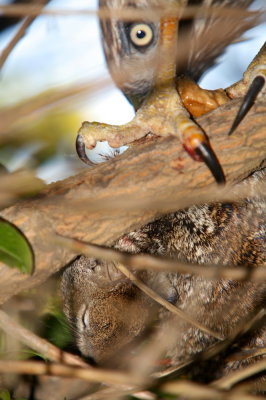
pixel 18 35
pixel 235 377
pixel 151 293
pixel 162 264
pixel 196 391
pixel 217 348
pixel 245 354
pixel 15 39
pixel 18 184
pixel 42 103
pixel 55 369
pixel 109 393
pixel 36 343
pixel 113 393
pixel 164 202
pixel 129 13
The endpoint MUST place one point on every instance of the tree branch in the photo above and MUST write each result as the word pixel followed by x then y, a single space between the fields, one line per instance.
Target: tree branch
pixel 48 350
pixel 19 34
pixel 64 370
pixel 160 264
pixel 101 203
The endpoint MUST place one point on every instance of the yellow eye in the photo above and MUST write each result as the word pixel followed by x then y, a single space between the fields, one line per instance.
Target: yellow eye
pixel 141 34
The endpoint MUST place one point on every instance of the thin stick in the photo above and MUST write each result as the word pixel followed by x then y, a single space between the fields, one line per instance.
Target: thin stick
pixel 167 202
pixel 217 348
pixel 118 257
pixel 119 393
pixel 87 374
pixel 18 35
pixel 43 103
pixel 245 354
pixel 36 343
pixel 129 13
pixel 230 380
pixel 192 390
pixel 151 293
pixel 161 264
pixel 14 40
pixel 17 184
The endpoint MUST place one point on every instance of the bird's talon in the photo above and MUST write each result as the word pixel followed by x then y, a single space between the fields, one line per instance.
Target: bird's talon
pixel 80 148
pixel 206 154
pixel 254 78
pixel 248 101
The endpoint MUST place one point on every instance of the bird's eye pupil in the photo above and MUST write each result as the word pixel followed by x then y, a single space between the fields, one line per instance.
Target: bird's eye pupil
pixel 141 34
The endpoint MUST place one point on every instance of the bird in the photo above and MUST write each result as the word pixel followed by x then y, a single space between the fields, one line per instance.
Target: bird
pixel 150 59
pixel 107 311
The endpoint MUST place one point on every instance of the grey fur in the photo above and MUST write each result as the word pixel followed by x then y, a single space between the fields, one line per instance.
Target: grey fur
pixel 229 234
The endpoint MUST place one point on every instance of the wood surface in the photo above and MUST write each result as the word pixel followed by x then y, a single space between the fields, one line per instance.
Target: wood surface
pixel 101 203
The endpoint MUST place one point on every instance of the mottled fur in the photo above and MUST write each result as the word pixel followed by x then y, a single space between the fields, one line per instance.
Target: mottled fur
pixel 115 311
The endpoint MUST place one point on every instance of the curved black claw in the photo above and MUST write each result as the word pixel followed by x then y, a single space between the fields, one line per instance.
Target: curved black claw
pixel 205 152
pixel 80 148
pixel 248 101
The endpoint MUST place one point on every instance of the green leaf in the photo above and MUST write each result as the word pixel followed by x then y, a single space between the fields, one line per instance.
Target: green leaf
pixel 4 395
pixel 15 249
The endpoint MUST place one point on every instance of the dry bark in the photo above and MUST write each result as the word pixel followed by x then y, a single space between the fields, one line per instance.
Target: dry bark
pixel 101 203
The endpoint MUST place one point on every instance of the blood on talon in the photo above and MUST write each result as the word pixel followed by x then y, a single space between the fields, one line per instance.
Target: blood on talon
pixel 192 153
pixel 199 148
pixel 192 143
